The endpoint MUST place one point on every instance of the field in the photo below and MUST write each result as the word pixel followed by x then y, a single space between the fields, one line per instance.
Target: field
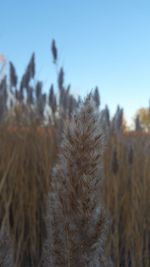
pixel 126 194
pixel 74 184
pixel 27 158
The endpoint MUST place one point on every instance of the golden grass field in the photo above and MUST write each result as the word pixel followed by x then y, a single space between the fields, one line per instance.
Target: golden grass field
pixel 127 198
pixel 26 160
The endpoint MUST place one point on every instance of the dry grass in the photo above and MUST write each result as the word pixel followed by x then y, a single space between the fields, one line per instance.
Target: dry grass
pixel 79 231
pixel 27 154
pixel 126 193
pixel 26 159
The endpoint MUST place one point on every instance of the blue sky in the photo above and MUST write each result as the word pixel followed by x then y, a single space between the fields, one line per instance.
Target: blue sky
pixel 100 42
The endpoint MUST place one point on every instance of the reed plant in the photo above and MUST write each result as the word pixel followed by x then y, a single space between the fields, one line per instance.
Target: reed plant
pixel 126 194
pixel 77 220
pixel 54 207
pixel 25 168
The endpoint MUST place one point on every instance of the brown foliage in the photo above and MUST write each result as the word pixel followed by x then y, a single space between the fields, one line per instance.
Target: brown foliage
pixel 25 166
pixel 127 198
pixel 27 155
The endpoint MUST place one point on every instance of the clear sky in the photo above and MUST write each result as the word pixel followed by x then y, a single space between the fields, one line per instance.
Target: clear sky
pixel 100 42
